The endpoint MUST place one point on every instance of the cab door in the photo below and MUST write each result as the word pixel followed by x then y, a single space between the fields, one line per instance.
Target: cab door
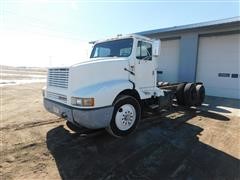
pixel 144 66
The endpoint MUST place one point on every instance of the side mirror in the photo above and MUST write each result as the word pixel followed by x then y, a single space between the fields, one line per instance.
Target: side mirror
pixel 156 47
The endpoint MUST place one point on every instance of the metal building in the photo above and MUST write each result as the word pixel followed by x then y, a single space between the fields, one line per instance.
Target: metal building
pixel 207 52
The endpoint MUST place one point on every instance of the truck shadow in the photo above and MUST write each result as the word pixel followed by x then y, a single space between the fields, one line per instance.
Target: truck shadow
pixel 205 113
pixel 160 148
pixel 220 104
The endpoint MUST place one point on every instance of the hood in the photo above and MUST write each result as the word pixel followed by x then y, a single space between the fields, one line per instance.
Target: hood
pixel 96 60
pixel 96 71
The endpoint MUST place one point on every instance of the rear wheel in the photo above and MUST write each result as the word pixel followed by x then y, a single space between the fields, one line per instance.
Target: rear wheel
pixel 180 94
pixel 190 94
pixel 126 115
pixel 200 94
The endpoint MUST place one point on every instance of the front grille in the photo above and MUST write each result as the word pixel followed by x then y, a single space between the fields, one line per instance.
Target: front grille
pixel 57 96
pixel 58 77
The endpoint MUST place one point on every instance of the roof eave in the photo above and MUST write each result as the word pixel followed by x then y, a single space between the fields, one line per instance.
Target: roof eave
pixel 211 24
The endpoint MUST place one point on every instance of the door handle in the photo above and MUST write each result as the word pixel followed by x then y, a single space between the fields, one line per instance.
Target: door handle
pixel 129 71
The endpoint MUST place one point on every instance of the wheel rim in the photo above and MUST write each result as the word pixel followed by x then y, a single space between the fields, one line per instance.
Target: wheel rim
pixel 125 117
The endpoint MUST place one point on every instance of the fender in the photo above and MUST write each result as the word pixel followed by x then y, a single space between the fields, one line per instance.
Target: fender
pixel 104 93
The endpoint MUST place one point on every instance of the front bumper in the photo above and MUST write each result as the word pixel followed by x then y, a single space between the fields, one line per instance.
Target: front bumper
pixel 89 118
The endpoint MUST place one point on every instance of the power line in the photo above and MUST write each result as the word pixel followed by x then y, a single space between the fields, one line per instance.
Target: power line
pixel 40 25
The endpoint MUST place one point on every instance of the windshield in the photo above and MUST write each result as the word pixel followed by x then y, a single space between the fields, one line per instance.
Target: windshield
pixel 116 48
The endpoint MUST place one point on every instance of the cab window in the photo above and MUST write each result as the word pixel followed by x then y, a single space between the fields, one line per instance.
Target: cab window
pixel 102 52
pixel 144 50
pixel 115 48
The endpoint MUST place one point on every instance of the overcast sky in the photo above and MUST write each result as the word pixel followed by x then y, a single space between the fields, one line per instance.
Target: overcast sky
pixel 54 33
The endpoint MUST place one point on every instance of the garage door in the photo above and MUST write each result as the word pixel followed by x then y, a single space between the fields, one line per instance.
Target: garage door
pixel 219 65
pixel 168 61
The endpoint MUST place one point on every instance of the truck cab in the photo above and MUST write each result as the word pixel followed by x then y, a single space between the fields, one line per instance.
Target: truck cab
pixel 108 90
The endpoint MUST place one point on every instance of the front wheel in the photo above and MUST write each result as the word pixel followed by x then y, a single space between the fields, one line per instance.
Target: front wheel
pixel 126 115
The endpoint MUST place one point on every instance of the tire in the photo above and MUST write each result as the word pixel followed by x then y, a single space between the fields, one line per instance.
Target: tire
pixel 200 94
pixel 126 116
pixel 190 94
pixel 180 94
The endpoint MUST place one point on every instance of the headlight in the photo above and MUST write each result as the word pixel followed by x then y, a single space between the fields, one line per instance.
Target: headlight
pixel 82 101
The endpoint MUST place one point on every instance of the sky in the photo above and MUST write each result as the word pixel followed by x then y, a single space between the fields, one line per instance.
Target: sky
pixel 56 32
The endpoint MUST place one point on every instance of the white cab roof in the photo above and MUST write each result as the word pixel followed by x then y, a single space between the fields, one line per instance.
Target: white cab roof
pixel 122 37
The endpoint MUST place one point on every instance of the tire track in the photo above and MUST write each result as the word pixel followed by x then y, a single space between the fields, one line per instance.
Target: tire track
pixel 30 124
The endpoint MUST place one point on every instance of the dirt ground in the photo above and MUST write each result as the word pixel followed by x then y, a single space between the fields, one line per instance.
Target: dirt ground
pixel 201 143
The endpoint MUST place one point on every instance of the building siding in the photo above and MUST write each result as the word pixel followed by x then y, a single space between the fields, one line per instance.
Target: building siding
pixel 188 57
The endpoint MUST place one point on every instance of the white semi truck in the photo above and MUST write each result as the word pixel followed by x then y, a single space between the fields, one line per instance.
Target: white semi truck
pixel 110 90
